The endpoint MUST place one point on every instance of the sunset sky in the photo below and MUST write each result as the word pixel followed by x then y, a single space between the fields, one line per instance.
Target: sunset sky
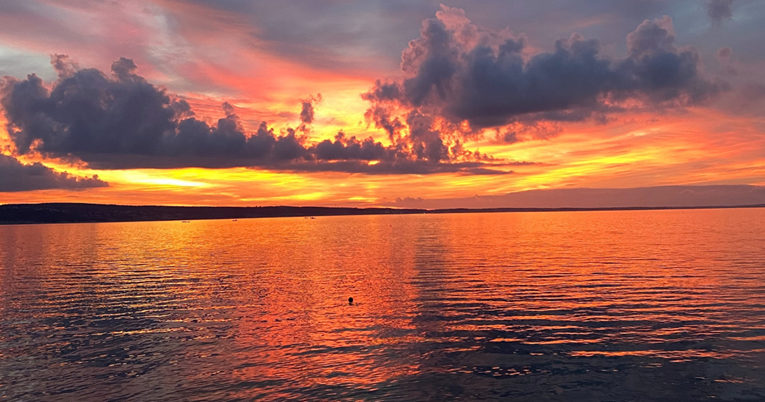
pixel 334 102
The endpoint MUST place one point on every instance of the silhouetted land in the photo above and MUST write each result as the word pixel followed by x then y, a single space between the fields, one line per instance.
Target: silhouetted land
pixel 80 213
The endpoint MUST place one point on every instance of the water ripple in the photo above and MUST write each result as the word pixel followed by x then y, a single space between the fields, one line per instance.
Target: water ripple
pixel 638 305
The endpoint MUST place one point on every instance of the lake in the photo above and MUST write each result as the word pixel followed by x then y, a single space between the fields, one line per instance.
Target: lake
pixel 558 306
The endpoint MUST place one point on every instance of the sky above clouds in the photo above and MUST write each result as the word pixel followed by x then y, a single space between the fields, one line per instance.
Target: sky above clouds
pixel 377 102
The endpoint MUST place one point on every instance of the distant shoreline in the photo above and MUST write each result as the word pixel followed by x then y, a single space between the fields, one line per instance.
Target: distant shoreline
pixel 25 214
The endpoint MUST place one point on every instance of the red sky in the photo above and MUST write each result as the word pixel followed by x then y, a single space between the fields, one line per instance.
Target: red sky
pixel 634 93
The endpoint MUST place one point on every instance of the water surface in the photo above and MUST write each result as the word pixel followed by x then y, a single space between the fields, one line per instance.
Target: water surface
pixel 597 306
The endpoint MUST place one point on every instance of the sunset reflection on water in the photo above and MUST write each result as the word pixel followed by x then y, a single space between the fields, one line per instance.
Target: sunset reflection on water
pixel 642 305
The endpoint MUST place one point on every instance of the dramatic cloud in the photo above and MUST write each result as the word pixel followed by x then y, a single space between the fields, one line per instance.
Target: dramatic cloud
pixel 719 10
pixel 458 73
pixel 15 176
pixel 122 121
pixel 460 81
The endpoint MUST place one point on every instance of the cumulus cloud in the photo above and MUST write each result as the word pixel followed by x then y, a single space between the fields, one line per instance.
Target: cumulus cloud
pixel 121 121
pixel 466 78
pixel 16 176
pixel 719 10
pixel 461 80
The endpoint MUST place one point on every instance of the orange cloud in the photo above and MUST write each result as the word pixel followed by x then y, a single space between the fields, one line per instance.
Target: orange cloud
pixel 211 56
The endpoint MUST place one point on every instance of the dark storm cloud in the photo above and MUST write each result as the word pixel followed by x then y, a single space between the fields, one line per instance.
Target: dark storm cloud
pixel 353 149
pixel 306 113
pixel 719 10
pixel 462 72
pixel 381 116
pixel 15 176
pixel 122 121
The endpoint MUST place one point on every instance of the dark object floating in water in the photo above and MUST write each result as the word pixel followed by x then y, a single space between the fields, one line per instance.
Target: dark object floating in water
pixel 185 221
pixel 350 300
pixel 233 220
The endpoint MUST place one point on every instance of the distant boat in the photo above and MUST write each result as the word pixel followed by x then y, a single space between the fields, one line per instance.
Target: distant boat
pixel 313 217
pixel 185 221
pixel 233 220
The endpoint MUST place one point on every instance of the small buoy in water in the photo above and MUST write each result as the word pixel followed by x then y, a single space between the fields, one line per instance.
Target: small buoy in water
pixel 350 300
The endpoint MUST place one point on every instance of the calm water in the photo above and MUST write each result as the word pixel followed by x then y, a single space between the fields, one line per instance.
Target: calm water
pixel 587 306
